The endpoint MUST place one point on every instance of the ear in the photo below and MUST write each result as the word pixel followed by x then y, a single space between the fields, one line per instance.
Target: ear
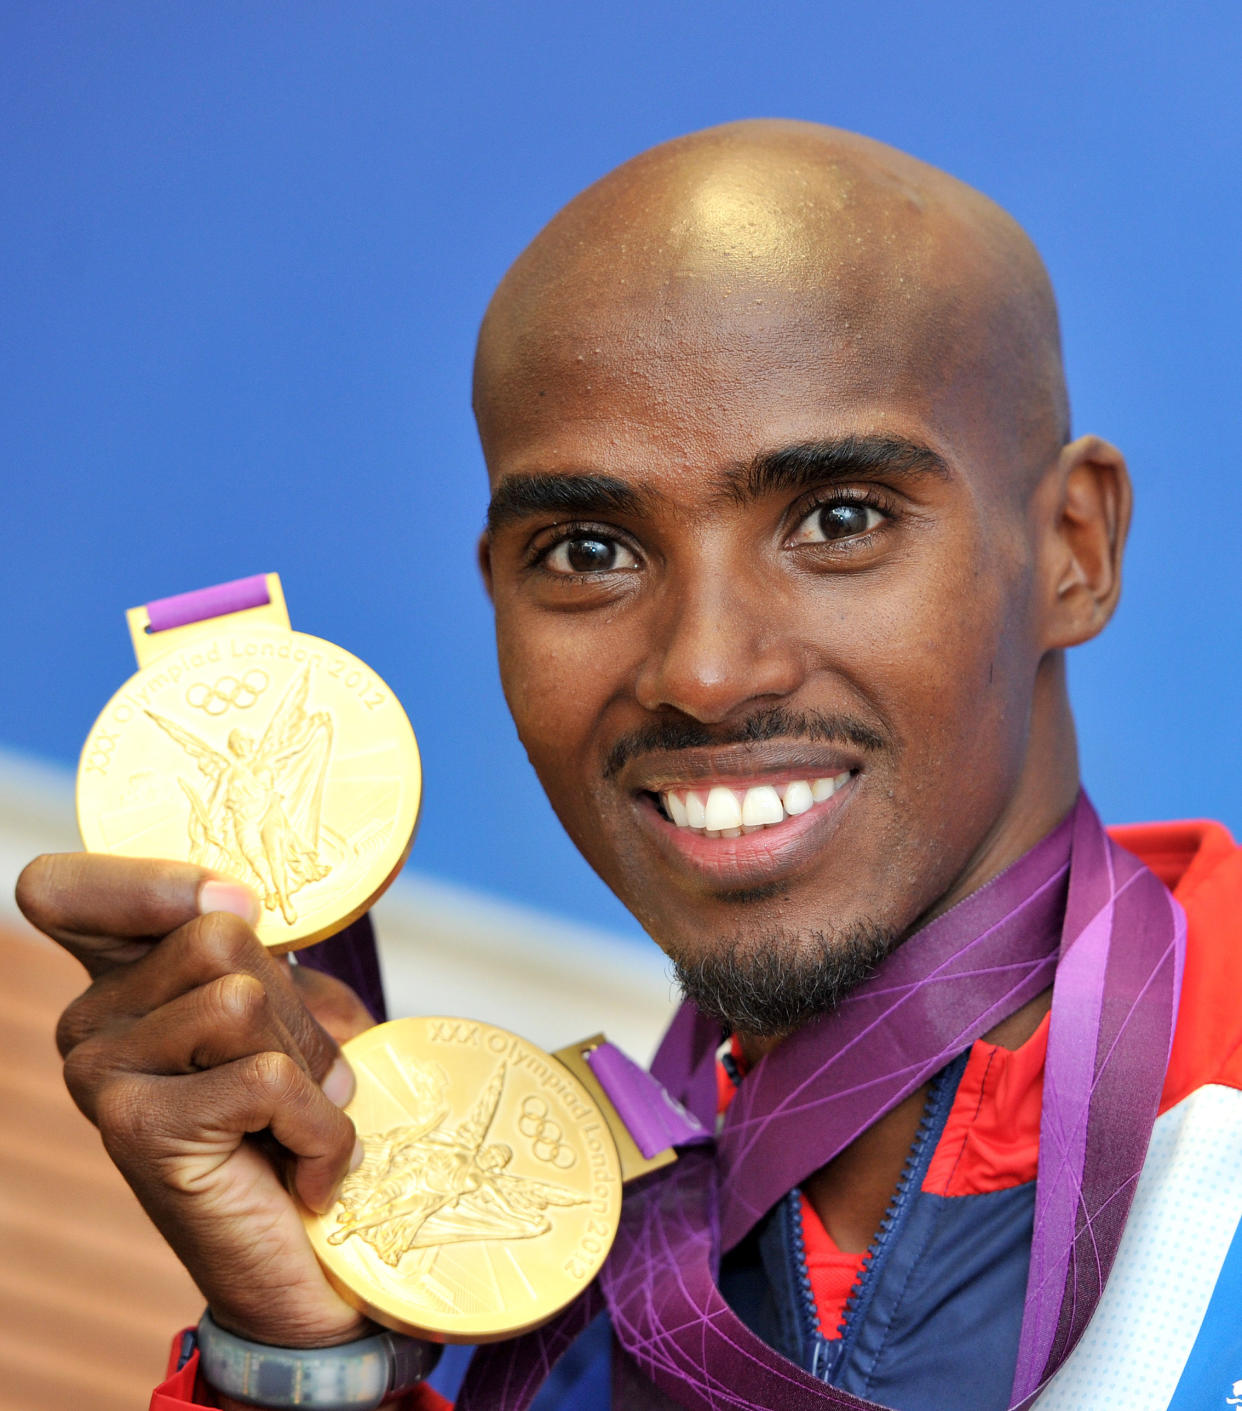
pixel 484 552
pixel 1086 501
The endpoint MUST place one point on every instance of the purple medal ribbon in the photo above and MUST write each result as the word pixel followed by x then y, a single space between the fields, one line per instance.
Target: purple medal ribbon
pixel 203 603
pixel 651 1114
pixel 1076 907
pixel 351 955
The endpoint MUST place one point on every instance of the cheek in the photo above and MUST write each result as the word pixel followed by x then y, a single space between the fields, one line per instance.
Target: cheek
pixel 970 677
pixel 944 639
pixel 562 699
pixel 553 689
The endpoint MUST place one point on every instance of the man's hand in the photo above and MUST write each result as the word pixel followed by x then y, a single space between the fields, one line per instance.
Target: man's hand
pixel 208 1066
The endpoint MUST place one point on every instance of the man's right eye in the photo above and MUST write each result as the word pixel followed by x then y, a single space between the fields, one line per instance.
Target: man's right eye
pixel 588 553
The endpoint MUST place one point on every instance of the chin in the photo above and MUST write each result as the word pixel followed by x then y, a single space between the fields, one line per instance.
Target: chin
pixel 772 980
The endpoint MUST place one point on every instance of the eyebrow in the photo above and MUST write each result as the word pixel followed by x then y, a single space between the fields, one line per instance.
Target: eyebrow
pixel 840 458
pixel 517 496
pixel 788 469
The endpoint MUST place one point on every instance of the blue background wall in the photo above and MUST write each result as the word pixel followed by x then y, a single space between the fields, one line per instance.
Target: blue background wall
pixel 246 247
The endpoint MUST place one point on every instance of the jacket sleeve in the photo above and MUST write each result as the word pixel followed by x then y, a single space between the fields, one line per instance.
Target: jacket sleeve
pixel 182 1391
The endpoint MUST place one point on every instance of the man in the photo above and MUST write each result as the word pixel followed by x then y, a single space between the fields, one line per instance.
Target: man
pixel 787 539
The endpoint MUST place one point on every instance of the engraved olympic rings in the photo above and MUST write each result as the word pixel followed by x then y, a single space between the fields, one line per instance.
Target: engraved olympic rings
pixel 99 752
pixel 228 691
pixel 545 1134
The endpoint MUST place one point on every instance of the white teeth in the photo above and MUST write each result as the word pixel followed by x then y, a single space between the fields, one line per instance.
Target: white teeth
pixel 797 797
pixel 723 810
pixel 722 814
pixel 761 805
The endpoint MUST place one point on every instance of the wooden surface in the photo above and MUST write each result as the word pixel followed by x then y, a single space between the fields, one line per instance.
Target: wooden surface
pixel 89 1293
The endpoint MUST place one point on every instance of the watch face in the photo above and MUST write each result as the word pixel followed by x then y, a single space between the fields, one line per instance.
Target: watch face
pixel 266 755
pixel 490 1191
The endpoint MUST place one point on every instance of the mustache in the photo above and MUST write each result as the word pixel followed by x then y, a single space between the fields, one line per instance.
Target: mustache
pixel 775 723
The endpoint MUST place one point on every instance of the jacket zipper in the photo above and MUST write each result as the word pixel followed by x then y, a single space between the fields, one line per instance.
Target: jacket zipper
pixel 828 1357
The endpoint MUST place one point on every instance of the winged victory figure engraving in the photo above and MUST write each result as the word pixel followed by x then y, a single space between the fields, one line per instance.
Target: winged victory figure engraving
pixel 262 812
pixel 421 1186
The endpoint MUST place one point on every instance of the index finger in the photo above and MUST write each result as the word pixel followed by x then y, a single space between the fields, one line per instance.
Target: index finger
pixel 110 910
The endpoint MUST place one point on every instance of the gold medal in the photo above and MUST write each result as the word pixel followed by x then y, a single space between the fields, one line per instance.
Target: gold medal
pixel 490 1191
pixel 263 754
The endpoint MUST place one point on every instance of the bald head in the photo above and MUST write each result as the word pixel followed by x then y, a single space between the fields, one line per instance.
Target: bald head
pixel 823 243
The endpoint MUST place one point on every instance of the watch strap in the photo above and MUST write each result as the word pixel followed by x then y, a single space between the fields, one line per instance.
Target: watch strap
pixel 354 1376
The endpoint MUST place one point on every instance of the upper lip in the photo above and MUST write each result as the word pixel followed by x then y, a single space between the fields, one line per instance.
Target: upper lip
pixel 738 764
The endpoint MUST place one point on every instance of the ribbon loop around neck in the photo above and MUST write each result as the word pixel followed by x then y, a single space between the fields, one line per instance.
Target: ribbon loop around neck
pixel 1076 912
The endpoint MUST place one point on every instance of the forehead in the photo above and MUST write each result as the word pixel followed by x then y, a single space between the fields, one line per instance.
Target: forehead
pixel 767 282
pixel 695 375
pixel 694 310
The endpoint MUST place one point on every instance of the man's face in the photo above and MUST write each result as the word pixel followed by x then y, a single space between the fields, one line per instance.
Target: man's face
pixel 765 624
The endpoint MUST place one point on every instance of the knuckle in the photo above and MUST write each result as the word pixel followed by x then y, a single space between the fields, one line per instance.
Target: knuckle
pixel 277 1076
pixel 105 1006
pixel 74 1027
pixel 236 1002
pixel 123 1115
pixel 85 1069
pixel 222 942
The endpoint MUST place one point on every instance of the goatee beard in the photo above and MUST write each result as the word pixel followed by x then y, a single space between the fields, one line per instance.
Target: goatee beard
pixel 772 983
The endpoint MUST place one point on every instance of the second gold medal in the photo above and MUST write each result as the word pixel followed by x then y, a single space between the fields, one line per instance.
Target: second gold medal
pixel 490 1192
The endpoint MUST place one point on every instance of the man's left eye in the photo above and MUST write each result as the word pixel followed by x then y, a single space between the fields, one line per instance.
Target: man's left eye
pixel 589 553
pixel 839 519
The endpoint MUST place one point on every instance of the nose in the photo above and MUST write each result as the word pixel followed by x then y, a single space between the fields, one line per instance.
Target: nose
pixel 721 646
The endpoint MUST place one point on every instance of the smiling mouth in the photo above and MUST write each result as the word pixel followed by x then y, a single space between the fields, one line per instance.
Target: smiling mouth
pixel 722 812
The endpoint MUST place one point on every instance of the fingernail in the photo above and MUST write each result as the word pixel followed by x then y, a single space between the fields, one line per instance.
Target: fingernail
pixel 356 1159
pixel 339 1085
pixel 231 897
